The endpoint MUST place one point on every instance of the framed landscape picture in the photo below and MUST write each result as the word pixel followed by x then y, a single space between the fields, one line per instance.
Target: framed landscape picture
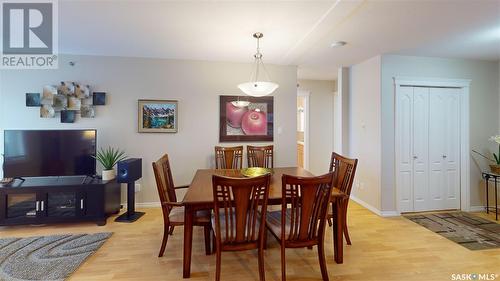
pixel 157 116
pixel 245 118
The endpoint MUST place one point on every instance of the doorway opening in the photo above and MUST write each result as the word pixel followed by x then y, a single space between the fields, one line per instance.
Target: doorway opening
pixel 303 129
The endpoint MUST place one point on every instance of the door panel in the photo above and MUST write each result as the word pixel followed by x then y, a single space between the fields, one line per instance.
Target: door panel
pixel 420 148
pixel 437 146
pixel 452 152
pixel 405 148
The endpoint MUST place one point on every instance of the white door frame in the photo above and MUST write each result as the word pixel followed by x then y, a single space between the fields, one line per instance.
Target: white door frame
pixel 305 94
pixel 463 84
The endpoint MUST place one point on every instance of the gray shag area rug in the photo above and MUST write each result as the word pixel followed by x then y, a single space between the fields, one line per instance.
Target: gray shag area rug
pixel 53 257
pixel 472 232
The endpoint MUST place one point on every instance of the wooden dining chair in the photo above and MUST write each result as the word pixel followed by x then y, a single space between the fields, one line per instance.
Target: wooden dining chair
pixel 239 216
pixel 344 170
pixel 260 156
pixel 173 211
pixel 297 226
pixel 228 157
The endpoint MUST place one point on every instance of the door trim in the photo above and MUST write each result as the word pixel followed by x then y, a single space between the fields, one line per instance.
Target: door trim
pixel 464 85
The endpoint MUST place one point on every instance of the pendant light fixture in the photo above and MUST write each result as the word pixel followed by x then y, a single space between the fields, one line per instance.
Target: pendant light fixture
pixel 257 87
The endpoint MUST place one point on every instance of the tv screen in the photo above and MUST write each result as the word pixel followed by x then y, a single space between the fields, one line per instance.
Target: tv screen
pixel 39 153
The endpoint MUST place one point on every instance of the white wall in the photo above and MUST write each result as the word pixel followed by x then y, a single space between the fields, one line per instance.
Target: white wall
pixel 364 129
pixel 195 84
pixel 484 111
pixel 320 123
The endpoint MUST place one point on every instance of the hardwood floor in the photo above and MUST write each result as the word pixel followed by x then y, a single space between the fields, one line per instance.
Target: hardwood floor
pixel 383 249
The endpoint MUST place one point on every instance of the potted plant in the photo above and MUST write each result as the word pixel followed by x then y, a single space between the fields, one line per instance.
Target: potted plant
pixel 108 159
pixel 495 168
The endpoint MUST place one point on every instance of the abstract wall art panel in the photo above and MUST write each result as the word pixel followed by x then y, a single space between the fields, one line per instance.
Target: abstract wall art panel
pixel 33 99
pixel 68 116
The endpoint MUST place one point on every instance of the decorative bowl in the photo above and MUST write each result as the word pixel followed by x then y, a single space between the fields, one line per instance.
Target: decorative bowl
pixel 255 172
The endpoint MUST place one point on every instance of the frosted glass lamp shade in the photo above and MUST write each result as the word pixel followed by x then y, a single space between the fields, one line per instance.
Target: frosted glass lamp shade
pixel 258 89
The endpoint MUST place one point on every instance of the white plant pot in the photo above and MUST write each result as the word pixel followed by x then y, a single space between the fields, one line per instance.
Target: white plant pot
pixel 108 175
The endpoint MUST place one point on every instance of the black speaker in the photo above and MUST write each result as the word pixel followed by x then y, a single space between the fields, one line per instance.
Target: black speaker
pixel 129 170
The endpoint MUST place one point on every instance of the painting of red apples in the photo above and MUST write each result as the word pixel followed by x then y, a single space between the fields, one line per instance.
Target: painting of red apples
pixel 244 118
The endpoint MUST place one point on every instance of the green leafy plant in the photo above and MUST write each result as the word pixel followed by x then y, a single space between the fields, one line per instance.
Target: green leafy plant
pixel 496 156
pixel 109 157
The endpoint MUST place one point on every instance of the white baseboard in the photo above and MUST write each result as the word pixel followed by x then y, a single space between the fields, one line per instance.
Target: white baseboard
pixel 387 214
pixel 144 205
pixel 476 208
pixel 373 209
pixel 352 197
pixel 366 205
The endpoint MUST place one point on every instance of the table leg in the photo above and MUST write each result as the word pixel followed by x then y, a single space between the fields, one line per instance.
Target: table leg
pixel 496 200
pixel 338 231
pixel 188 240
pixel 487 201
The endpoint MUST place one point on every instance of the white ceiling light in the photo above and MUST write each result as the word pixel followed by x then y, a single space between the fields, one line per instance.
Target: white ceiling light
pixel 338 44
pixel 257 87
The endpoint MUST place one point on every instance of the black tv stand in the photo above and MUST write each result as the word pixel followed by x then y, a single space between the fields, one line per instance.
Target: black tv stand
pixel 42 200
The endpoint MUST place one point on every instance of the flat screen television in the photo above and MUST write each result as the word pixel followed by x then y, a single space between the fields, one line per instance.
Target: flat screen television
pixel 41 153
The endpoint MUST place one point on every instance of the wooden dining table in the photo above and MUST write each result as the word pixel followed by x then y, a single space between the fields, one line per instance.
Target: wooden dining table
pixel 199 196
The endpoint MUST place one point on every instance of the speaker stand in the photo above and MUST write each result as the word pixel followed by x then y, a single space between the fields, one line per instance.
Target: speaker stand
pixel 131 215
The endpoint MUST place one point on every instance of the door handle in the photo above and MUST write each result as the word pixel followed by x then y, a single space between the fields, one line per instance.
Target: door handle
pixel 37 206
pixel 81 204
pixel 415 157
pixel 444 156
pixel 42 205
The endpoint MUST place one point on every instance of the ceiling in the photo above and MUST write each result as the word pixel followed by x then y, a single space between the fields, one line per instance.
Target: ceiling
pixel 295 32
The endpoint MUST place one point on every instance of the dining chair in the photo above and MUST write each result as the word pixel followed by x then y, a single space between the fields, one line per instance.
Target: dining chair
pixel 228 157
pixel 173 211
pixel 260 156
pixel 344 170
pixel 239 216
pixel 304 203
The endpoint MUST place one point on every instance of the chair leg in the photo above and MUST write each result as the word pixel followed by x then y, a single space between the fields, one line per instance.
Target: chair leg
pixel 322 261
pixel 171 231
pixel 346 231
pixel 283 262
pixel 265 238
pixel 164 241
pixel 207 229
pixel 217 264
pixel 262 272
pixel 214 241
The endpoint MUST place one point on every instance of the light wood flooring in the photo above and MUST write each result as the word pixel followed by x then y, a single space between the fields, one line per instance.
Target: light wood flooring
pixel 383 249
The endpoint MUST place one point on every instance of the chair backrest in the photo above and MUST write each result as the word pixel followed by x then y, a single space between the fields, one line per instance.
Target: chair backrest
pixel 304 207
pixel 240 205
pixel 260 156
pixel 344 170
pixel 164 182
pixel 228 157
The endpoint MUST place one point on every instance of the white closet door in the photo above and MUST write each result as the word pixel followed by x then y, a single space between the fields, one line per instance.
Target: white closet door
pixel 452 152
pixel 405 148
pixel 421 149
pixel 444 145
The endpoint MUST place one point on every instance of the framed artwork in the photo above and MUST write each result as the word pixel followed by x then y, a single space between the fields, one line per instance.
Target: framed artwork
pixel 245 118
pixel 157 116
